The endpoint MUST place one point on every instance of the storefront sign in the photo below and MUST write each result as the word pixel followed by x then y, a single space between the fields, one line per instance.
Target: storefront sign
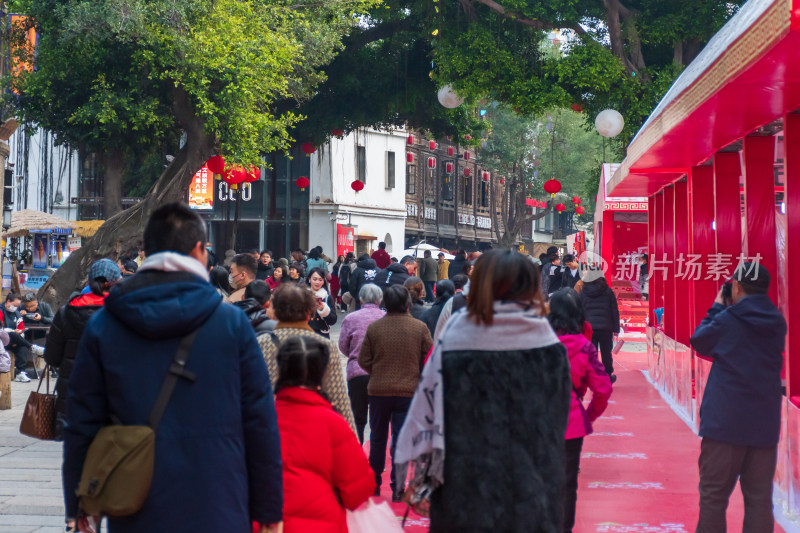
pixel 430 213
pixel 41 249
pixel 73 243
pixel 483 222
pixel 345 239
pixel 226 194
pixel 35 278
pixel 201 192
pixel 469 220
pixel 530 202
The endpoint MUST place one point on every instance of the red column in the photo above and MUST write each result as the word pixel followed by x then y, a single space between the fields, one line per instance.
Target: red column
pixel 701 190
pixel 607 244
pixel 727 205
pixel 670 311
pixel 759 204
pixel 791 125
pixel 657 279
pixel 651 247
pixel 683 293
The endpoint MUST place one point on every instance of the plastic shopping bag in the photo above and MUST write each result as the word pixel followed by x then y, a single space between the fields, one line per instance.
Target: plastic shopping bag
pixel 373 517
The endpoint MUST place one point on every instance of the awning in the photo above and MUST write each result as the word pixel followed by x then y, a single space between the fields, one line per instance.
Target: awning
pixel 366 237
pixel 25 221
pixel 87 228
pixel 745 78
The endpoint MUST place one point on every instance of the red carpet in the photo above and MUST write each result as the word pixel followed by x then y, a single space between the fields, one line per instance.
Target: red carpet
pixel 638 470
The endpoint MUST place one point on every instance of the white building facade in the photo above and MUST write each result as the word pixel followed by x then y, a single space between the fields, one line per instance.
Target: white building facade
pixel 342 219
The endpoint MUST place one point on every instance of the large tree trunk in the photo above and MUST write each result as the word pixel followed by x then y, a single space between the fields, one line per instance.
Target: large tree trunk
pixel 113 165
pixel 122 232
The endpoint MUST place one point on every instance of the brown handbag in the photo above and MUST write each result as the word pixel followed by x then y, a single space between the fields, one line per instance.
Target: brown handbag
pixel 39 418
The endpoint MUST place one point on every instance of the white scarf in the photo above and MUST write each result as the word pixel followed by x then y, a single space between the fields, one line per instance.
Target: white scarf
pixel 174 262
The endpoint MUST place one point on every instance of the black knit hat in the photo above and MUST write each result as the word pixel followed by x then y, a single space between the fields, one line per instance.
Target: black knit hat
pixel 754 277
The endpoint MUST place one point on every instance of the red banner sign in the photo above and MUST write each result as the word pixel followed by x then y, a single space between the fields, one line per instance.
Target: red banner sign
pixel 345 239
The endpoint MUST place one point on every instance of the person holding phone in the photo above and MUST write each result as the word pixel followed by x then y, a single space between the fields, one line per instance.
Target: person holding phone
pixel 325 315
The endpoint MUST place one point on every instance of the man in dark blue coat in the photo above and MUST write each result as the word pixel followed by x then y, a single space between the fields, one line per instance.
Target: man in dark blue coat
pixel 741 411
pixel 217 457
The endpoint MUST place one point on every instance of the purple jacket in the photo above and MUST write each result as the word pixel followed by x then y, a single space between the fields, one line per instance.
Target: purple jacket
pixel 354 329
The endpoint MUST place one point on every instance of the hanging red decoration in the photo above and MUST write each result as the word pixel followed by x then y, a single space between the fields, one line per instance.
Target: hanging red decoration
pixel 485 176
pixel 560 208
pixel 309 149
pixel 502 181
pixel 216 164
pixel 466 156
pixel 357 185
pixel 302 182
pixel 449 150
pixel 337 133
pixel 448 167
pixel 467 137
pixel 578 108
pixel 466 171
pixel 235 176
pixel 432 145
pixel 410 157
pixel 576 200
pixel 410 139
pixel 253 174
pixel 551 187
pixel 580 210
pixel 431 162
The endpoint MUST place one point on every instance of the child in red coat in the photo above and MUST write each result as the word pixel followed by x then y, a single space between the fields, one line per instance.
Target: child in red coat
pixel 325 470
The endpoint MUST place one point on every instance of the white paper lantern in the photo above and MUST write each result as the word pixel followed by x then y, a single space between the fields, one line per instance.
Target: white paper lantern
pixel 609 123
pixel 448 98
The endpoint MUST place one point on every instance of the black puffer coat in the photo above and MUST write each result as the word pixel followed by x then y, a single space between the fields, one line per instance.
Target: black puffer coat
pixel 365 272
pixel 394 274
pixel 63 340
pixel 600 306
pixel 257 315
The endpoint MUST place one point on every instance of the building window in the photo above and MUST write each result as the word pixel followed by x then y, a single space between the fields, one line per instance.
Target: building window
pixel 447 187
pixel 390 170
pixel 411 179
pixel 484 194
pixel 467 188
pixel 361 162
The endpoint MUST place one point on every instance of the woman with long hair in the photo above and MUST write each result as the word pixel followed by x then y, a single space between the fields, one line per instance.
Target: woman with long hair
pixel 335 285
pixel 485 431
pixel 219 279
pixel 279 275
pixel 567 319
pixel 416 288
pixel 325 470
pixel 325 314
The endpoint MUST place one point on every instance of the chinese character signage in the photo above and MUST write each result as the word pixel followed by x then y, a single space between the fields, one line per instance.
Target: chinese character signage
pixel 345 239
pixel 41 249
pixel 201 191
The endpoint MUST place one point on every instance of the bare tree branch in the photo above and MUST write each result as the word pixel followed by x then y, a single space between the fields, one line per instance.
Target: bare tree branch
pixel 533 23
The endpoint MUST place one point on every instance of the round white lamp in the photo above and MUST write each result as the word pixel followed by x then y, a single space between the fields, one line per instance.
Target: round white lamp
pixel 448 98
pixel 609 123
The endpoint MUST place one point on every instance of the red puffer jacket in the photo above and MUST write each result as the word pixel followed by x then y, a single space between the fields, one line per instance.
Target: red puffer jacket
pixel 321 459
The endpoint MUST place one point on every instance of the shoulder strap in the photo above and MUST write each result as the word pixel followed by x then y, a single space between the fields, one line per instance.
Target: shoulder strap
pixel 176 370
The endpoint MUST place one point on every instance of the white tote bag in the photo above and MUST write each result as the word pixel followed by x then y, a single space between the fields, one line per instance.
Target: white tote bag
pixel 372 517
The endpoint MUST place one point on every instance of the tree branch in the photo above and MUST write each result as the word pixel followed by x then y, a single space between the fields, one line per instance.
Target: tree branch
pixel 516 17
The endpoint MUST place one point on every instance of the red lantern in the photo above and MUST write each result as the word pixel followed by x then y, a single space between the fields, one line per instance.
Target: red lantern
pixel 253 174
pixel 448 167
pixel 431 162
pixel 502 181
pixel 432 145
pixel 337 133
pixel 410 139
pixel 560 208
pixel 302 182
pixel 410 157
pixel 466 171
pixel 551 187
pixel 485 176
pixel 576 200
pixel 577 108
pixel 216 164
pixel 466 156
pixel 449 150
pixel 357 185
pixel 235 176
pixel 580 210
pixel 467 137
pixel 309 149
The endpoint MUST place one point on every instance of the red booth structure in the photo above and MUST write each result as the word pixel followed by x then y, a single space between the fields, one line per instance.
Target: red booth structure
pixel 620 229
pixel 719 161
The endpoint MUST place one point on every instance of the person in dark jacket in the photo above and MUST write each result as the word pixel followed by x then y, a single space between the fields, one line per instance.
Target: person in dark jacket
pixel 34 312
pixel 547 260
pixel 397 273
pixel 64 336
pixel 428 273
pixel 365 272
pixel 381 256
pixel 444 291
pixel 345 270
pixel 602 313
pixel 572 272
pixel 265 265
pixel 325 314
pixel 217 449
pixel 740 416
pixel 255 304
pixel 492 470
pixel 416 288
pixel 19 345
pixel 458 265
